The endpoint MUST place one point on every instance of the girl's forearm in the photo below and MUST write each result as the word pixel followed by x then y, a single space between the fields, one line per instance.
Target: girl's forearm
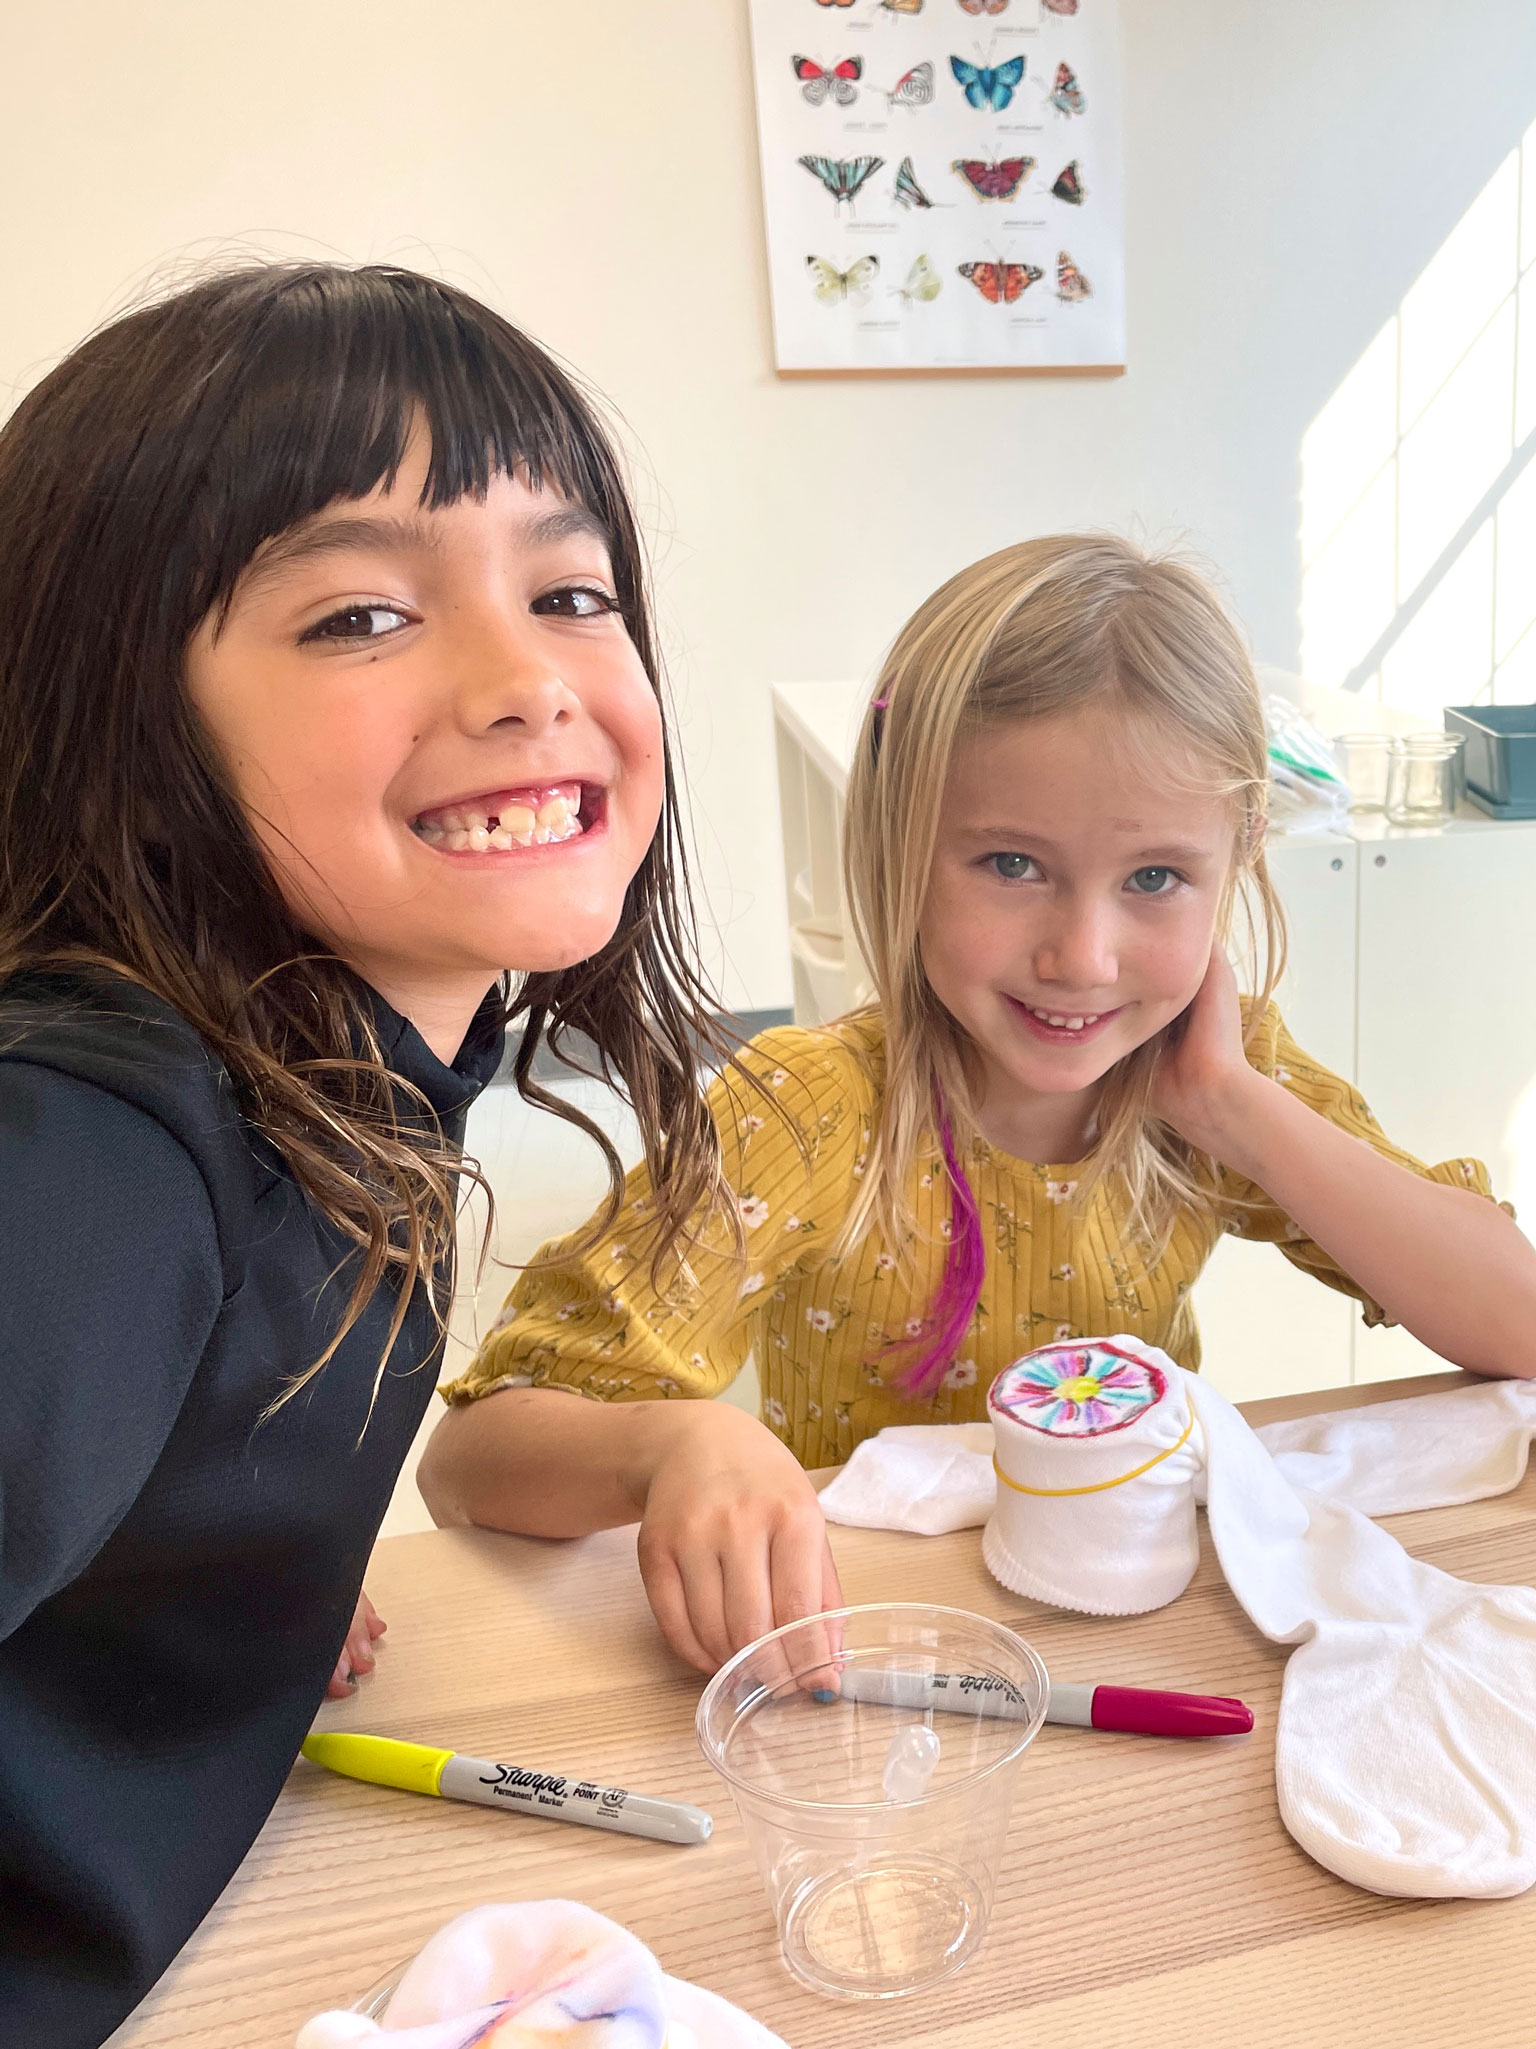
pixel 544 1463
pixel 1445 1263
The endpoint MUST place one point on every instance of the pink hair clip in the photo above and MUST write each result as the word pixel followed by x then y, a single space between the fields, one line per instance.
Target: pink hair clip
pixel 881 704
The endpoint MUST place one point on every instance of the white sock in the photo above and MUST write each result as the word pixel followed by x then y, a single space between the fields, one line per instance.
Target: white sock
pixel 1405 1752
pixel 1426 1451
pixel 926 1477
pixel 1069 1471
pixel 535 1973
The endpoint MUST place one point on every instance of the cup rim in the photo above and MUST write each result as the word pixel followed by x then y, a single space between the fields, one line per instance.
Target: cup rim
pixel 1028 1730
pixel 373 2003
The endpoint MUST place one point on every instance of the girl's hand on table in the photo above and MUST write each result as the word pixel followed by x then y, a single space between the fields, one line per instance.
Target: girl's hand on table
pixel 733 1542
pixel 357 1655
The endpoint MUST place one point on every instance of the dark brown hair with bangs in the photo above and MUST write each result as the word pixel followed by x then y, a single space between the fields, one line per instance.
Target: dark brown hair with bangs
pixel 138 481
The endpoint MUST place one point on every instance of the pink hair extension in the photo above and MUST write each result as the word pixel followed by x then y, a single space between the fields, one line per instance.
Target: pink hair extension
pixel 965 1269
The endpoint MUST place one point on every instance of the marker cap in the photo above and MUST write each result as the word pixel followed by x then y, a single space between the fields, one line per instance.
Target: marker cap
pixel 409 1767
pixel 1138 1712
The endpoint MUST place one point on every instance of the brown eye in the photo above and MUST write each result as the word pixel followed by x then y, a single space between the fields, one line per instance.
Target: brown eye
pixel 575 601
pixel 358 622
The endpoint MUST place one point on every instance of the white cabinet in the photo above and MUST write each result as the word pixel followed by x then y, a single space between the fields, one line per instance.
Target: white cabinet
pixel 815 728
pixel 1265 1328
pixel 1412 972
pixel 1446 1019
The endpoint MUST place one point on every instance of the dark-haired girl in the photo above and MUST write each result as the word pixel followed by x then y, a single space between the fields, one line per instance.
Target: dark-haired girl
pixel 330 744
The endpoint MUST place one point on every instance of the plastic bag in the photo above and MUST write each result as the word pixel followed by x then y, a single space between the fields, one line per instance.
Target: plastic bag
pixel 1306 791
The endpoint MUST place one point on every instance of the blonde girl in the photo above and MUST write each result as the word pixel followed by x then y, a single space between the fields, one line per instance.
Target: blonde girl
pixel 1040 1129
pixel 330 744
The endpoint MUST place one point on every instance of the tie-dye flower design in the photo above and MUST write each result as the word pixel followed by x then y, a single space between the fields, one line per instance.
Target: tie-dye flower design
pixel 1079 1389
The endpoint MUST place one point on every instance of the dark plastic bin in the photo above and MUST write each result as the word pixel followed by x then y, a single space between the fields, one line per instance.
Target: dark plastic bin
pixel 1499 757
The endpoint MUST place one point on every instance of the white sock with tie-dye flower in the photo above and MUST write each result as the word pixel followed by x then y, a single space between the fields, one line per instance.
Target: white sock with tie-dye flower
pixel 1405 1752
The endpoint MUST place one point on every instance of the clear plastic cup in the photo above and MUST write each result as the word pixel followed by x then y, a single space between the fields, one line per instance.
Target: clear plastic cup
pixel 878 1828
pixel 374 2003
pixel 1425 782
pixel 1365 761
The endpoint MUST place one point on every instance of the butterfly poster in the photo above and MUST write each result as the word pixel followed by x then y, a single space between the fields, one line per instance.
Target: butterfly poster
pixel 942 185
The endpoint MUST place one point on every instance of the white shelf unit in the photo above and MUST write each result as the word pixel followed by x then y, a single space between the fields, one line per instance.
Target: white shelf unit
pixel 1410 973
pixel 815 727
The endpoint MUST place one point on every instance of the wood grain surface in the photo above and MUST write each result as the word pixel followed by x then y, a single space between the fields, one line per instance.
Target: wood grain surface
pixel 1149 1896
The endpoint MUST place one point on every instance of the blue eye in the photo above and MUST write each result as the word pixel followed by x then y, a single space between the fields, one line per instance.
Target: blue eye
pixel 1012 867
pixel 1153 881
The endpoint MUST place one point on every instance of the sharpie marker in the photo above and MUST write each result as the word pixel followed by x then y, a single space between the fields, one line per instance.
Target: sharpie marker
pixel 550 1796
pixel 1131 1709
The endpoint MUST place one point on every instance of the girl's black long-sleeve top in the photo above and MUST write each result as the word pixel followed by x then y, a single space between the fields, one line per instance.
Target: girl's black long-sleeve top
pixel 177 1574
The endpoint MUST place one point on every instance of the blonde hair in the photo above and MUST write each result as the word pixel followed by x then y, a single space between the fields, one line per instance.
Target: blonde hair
pixel 1050 626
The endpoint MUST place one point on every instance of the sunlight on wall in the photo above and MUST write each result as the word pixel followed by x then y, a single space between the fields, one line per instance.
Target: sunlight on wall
pixel 1418 487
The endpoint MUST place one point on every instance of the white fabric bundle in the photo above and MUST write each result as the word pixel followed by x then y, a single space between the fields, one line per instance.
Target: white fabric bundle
pixel 1405 1756
pixel 930 1478
pixel 543 1974
pixel 1405 1749
pixel 1426 1451
pixel 1088 1440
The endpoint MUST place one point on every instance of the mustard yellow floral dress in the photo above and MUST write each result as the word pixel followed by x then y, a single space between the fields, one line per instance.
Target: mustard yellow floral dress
pixel 1056 1267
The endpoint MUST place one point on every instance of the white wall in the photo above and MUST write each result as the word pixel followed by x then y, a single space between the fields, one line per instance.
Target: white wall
pixel 590 167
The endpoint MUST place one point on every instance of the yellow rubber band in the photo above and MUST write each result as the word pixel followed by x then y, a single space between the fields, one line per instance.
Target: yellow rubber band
pixel 1099 1486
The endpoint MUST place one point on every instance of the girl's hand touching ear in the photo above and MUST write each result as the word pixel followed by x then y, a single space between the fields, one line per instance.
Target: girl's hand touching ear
pixel 1203 1076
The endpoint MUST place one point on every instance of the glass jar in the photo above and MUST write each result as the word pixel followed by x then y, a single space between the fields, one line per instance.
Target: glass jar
pixel 1424 783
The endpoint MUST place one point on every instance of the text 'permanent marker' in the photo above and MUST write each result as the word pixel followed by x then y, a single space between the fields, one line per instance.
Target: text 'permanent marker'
pixel 551 1796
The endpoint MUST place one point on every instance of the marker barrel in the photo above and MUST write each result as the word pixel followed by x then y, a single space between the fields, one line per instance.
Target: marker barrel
pixel 1130 1709
pixel 550 1796
pixel 961 1693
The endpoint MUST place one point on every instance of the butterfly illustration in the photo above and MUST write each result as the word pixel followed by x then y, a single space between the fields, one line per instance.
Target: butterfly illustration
pixel 841 82
pixel 1059 6
pixel 988 85
pixel 902 6
pixel 842 176
pixel 914 88
pixel 1066 94
pixel 1069 186
pixel 1001 283
pixel 1071 285
pixel 908 192
pixel 923 283
pixel 832 285
pixel 994 181
pixel 983 6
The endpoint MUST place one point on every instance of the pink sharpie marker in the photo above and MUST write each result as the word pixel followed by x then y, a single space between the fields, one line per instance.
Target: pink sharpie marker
pixel 1132 1709
pixel 1141 1712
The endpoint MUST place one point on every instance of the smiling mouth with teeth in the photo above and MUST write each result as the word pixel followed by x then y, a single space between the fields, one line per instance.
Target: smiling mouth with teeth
pixel 538 815
pixel 1061 1027
pixel 1071 1024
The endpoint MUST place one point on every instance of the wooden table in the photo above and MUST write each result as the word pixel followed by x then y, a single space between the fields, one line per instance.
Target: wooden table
pixel 1150 1895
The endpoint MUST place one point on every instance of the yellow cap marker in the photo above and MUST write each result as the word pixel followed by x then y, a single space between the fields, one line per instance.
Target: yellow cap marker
pixel 552 1796
pixel 408 1767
